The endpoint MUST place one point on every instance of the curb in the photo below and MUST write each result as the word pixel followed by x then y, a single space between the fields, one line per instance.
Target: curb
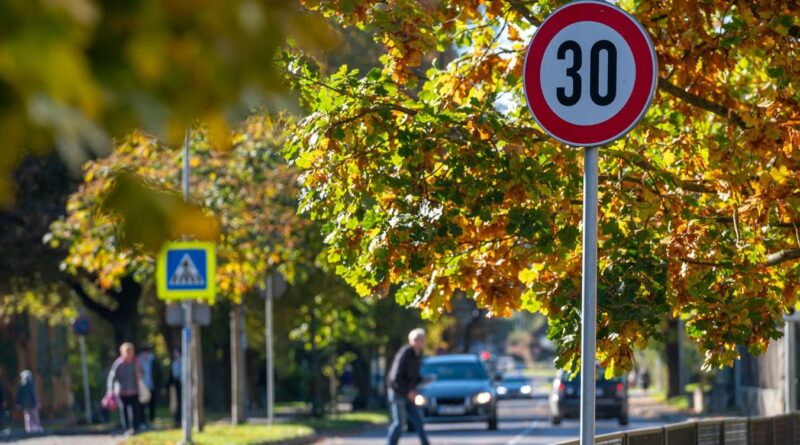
pixel 308 440
pixel 16 436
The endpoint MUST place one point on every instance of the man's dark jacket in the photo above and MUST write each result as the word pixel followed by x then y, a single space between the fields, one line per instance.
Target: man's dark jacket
pixel 404 374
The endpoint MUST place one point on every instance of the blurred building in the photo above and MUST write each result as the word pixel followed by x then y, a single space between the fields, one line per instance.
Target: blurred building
pixel 30 343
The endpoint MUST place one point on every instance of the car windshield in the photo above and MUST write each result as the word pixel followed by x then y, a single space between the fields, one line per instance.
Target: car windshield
pixel 515 379
pixel 455 371
pixel 601 377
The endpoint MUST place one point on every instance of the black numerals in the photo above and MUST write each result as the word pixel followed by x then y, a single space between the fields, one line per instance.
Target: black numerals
pixel 594 73
pixel 573 47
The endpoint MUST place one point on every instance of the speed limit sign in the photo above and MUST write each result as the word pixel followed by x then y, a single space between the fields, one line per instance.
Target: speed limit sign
pixel 590 73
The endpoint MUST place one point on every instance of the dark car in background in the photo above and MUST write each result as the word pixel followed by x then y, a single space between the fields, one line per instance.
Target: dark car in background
pixel 611 397
pixel 514 387
pixel 457 388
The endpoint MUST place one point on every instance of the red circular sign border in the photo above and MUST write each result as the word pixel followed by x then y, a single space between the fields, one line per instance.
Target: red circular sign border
pixel 644 85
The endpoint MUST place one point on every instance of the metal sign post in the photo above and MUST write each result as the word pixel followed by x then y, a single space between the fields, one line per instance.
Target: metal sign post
pixel 590 74
pixel 87 398
pixel 790 365
pixel 275 286
pixel 269 296
pixel 81 326
pixel 589 294
pixel 186 356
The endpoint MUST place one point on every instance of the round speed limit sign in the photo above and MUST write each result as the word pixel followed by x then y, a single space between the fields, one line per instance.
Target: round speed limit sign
pixel 590 73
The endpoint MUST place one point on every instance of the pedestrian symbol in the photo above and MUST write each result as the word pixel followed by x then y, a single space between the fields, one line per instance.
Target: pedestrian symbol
pixel 186 274
pixel 186 271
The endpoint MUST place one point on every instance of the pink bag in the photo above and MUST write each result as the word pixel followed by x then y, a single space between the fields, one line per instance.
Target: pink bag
pixel 109 402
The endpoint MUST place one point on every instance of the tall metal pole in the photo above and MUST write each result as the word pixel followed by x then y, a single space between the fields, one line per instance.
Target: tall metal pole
pixel 589 295
pixel 87 398
pixel 270 360
pixel 790 366
pixel 186 338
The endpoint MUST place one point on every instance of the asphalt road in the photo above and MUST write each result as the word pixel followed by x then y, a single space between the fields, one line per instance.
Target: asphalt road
pixel 522 422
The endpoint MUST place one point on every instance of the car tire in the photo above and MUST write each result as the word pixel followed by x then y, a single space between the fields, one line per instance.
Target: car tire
pixel 492 425
pixel 623 420
pixel 555 420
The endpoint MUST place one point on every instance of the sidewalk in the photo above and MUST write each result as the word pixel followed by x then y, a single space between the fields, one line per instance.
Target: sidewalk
pixel 72 440
pixel 649 406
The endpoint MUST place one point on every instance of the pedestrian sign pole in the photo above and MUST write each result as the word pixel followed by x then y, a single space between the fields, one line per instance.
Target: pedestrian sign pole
pixel 590 74
pixel 186 271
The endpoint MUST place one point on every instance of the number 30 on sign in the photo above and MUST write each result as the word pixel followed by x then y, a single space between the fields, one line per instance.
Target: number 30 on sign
pixel 590 73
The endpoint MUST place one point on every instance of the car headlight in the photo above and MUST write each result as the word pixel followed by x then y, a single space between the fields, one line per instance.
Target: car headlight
pixel 502 390
pixel 482 398
pixel 526 389
pixel 420 400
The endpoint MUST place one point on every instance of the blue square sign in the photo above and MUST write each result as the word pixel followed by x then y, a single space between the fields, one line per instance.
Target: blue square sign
pixel 186 271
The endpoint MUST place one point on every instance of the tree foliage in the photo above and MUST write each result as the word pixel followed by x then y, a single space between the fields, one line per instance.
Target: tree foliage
pixel 248 196
pixel 433 176
pixel 74 74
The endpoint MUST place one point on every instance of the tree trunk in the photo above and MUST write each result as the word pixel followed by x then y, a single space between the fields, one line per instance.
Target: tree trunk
pixel 672 352
pixel 237 367
pixel 196 350
pixel 124 319
pixel 317 409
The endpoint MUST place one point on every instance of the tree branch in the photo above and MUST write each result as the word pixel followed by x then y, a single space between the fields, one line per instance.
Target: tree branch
pixel 519 7
pixel 776 258
pixel 773 259
pixel 700 102
pixel 88 301
pixel 373 109
pixel 701 263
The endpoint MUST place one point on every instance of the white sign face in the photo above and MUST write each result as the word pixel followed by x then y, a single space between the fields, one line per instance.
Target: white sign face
pixel 587 73
pixel 590 73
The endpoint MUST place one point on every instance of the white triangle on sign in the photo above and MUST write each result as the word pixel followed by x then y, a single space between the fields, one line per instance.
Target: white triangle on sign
pixel 186 273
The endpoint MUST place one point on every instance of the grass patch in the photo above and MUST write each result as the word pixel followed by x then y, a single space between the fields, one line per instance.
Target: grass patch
pixel 347 421
pixel 226 435
pixel 540 372
pixel 679 402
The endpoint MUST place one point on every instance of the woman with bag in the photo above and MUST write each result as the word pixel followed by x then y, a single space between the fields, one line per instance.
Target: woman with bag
pixel 125 383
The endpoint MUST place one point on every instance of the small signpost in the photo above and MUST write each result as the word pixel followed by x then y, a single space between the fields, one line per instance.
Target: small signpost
pixel 81 326
pixel 590 74
pixel 274 288
pixel 186 272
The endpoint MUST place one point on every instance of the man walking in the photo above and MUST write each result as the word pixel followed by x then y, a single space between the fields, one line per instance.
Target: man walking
pixel 402 380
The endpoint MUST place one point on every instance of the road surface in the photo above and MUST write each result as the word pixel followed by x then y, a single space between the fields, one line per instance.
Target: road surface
pixel 522 422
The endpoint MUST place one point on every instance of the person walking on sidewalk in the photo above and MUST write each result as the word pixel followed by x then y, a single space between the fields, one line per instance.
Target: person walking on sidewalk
pixel 126 373
pixel 28 403
pixel 403 378
pixel 151 375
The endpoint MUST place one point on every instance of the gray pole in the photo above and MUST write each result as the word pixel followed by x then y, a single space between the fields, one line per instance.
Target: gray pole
pixel 87 398
pixel 589 300
pixel 186 338
pixel 270 359
pixel 790 368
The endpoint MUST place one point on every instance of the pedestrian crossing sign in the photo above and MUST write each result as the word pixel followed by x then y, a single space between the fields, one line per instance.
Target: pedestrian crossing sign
pixel 186 271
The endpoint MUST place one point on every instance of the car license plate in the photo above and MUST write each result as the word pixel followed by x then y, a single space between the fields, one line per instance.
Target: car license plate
pixel 451 410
